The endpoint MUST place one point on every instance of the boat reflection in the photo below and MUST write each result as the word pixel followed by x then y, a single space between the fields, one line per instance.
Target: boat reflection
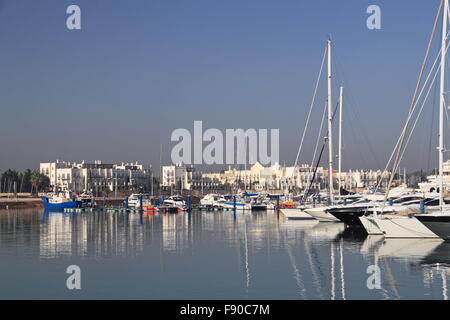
pixel 407 249
pixel 437 263
pixel 256 254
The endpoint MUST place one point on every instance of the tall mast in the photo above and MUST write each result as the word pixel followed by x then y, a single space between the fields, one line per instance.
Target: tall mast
pixel 55 188
pixel 330 125
pixel 160 170
pixel 442 104
pixel 341 102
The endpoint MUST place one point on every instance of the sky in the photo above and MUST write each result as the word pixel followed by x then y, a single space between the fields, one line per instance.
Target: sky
pixel 137 70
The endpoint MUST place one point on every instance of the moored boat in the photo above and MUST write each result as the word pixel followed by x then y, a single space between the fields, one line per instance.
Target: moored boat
pixel 60 200
pixel 349 215
pixel 296 213
pixel 212 201
pixel 370 225
pixel 135 200
pixel 396 226
pixel 321 214
pixel 438 223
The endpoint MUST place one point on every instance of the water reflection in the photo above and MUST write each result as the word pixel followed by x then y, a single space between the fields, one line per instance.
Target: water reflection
pixel 247 255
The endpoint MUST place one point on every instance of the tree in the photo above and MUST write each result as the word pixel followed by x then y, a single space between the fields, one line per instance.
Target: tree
pixel 25 185
pixel 39 181
pixel 7 180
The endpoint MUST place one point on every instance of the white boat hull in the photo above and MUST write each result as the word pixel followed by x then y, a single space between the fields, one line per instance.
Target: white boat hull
pixel 321 215
pixel 238 207
pixel 296 214
pixel 403 227
pixel 371 226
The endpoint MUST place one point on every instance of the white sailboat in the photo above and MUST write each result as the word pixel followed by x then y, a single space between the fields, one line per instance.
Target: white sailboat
pixel 410 226
pixel 297 213
pixel 320 213
pixel 439 222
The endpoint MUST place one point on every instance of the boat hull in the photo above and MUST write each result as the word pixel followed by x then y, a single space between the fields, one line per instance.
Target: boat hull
pixel 259 208
pixel 170 209
pixel 403 227
pixel 237 206
pixel 438 224
pixel 62 205
pixel 370 225
pixel 349 216
pixel 296 214
pixel 321 214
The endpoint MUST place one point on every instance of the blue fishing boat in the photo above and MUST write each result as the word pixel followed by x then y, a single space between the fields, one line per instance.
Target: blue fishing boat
pixel 60 200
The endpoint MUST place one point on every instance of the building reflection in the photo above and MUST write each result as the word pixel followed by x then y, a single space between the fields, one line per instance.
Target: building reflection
pixel 99 234
pixel 318 260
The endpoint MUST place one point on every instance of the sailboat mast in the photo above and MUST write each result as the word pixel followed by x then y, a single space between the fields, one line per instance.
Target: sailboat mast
pixel 442 103
pixel 330 125
pixel 341 94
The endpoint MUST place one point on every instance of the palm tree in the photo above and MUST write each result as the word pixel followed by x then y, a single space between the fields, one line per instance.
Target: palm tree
pixel 35 181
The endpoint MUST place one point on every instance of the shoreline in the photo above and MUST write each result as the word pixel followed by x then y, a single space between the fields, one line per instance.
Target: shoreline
pixel 20 203
pixel 25 203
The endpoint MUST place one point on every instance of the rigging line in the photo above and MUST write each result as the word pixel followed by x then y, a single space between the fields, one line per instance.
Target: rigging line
pixel 365 136
pixel 398 141
pixel 420 76
pixel 311 108
pixel 354 136
pixel 418 115
pixel 431 129
pixel 446 115
pixel 319 136
pixel 353 141
pixel 421 108
pixel 445 104
pixel 410 115
pixel 314 174
pixel 320 157
pixel 352 107
pixel 419 80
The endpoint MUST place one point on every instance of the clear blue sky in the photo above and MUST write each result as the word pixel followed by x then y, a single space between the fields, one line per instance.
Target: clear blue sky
pixel 139 69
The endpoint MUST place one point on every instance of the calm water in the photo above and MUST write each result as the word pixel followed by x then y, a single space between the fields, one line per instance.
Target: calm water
pixel 209 255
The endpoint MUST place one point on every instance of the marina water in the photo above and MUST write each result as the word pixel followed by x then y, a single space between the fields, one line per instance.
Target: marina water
pixel 210 255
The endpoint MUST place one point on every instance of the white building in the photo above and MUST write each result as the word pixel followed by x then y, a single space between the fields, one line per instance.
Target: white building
pixel 96 176
pixel 276 177
pixel 180 177
pixel 433 181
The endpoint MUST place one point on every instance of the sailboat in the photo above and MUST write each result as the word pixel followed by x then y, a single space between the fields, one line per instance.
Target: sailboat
pixel 320 213
pixel 418 225
pixel 439 222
